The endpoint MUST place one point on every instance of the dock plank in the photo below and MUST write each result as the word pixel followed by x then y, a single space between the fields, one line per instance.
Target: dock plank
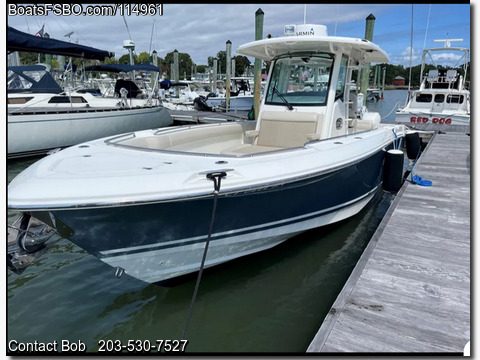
pixel 410 290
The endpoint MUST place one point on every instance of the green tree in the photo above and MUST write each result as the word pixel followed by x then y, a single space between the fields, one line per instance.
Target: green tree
pixel 184 63
pixel 241 64
pixel 143 58
pixel 29 58
pixel 201 69
pixel 110 60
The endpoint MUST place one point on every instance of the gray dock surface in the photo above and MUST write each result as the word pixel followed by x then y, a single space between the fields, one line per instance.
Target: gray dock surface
pixel 410 290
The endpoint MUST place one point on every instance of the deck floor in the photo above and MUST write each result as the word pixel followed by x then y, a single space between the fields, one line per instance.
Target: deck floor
pixel 410 290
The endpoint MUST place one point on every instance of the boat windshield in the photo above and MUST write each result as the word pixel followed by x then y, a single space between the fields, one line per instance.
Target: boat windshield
pixel 18 82
pixel 300 80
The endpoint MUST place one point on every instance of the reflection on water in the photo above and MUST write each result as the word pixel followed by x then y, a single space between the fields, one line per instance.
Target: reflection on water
pixel 272 301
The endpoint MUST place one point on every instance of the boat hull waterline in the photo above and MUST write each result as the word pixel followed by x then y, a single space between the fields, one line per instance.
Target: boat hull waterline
pixel 159 241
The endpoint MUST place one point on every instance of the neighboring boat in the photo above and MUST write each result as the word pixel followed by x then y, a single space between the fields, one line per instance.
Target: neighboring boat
pixel 185 98
pixel 42 116
pixel 443 98
pixel 142 201
pixel 241 96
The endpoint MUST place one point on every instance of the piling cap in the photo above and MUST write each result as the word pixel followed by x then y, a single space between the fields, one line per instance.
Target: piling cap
pixel 259 12
pixel 370 17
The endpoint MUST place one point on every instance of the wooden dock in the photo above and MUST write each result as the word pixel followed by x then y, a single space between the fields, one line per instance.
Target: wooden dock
pixel 410 290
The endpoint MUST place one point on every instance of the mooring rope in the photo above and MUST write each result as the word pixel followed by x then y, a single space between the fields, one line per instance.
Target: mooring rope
pixel 395 107
pixel 216 177
pixel 415 178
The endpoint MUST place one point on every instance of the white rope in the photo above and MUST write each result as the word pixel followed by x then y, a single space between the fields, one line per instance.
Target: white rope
pixel 394 108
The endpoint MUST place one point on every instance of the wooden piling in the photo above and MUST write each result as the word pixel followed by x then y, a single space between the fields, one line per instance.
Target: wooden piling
pixel 228 74
pixel 259 14
pixel 370 23
pixel 176 71
pixel 215 66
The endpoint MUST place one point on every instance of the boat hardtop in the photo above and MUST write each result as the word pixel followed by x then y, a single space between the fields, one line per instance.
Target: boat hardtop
pixel 268 49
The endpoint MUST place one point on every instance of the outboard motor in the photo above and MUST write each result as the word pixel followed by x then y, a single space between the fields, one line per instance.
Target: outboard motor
pixel 200 104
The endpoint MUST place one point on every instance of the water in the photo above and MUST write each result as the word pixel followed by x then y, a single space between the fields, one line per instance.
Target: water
pixel 273 301
pixel 392 100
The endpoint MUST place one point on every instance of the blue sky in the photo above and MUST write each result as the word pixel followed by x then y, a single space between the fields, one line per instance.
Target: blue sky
pixel 203 29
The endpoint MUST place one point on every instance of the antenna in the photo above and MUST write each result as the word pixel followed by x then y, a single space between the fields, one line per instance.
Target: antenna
pixel 448 42
pixel 426 30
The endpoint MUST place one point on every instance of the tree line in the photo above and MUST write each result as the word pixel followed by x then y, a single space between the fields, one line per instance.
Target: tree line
pixel 185 64
pixel 392 71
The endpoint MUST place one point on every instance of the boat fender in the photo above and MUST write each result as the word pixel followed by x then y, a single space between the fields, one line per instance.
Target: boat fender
pixel 412 141
pixel 393 170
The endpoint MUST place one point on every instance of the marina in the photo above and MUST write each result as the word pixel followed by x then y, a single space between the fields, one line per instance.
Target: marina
pixel 303 212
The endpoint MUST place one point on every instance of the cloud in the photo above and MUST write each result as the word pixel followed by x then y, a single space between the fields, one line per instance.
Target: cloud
pixel 403 58
pixel 202 29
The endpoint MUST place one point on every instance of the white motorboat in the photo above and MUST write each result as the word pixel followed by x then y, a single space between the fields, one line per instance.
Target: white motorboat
pixel 241 96
pixel 443 98
pixel 185 98
pixel 142 201
pixel 42 116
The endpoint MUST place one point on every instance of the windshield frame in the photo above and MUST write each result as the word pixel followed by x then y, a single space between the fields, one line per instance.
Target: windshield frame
pixel 293 97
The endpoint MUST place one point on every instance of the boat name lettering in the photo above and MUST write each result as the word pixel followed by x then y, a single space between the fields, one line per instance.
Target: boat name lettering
pixel 419 119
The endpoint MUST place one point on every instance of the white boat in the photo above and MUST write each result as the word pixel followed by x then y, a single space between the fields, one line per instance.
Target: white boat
pixel 185 98
pixel 142 201
pixel 42 116
pixel 241 96
pixel 443 99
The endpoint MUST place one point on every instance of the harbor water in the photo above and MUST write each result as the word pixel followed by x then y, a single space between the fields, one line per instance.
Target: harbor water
pixel 269 302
